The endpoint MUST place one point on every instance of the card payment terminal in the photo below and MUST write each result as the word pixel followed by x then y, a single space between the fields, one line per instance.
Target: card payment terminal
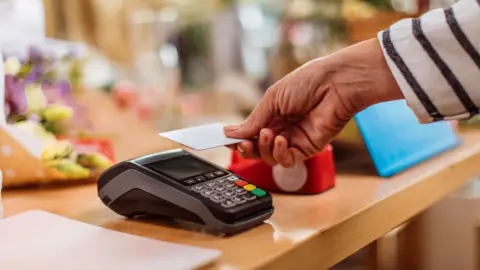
pixel 180 185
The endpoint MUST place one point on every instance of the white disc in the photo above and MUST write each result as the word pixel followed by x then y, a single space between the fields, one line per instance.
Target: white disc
pixel 290 179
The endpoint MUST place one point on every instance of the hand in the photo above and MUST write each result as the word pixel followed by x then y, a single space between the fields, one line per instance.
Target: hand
pixel 306 109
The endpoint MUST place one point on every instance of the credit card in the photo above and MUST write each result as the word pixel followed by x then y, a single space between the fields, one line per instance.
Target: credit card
pixel 201 137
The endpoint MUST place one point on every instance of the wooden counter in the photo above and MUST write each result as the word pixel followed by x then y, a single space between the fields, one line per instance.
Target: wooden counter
pixel 306 232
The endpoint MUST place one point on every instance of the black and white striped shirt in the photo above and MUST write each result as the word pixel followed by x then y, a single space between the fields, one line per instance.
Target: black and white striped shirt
pixel 435 59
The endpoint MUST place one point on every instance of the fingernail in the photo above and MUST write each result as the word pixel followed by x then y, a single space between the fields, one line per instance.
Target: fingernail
pixel 231 128
pixel 263 136
pixel 240 149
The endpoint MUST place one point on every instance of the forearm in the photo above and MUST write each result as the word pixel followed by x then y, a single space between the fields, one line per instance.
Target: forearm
pixel 436 62
pixel 361 76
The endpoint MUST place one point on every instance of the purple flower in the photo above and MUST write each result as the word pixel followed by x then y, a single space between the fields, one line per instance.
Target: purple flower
pixel 7 109
pixel 34 74
pixel 61 93
pixel 15 95
pixel 65 87
pixel 35 54
pixel 43 60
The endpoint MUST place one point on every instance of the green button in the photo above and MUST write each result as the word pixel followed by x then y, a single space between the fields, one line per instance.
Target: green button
pixel 259 192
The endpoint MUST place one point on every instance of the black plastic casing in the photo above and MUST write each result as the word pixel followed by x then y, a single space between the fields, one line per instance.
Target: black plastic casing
pixel 130 189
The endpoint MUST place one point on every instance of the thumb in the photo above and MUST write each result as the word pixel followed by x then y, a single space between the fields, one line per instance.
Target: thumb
pixel 258 119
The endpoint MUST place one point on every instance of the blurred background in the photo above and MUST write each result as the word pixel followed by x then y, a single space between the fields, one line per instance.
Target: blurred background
pixel 175 63
pixel 125 70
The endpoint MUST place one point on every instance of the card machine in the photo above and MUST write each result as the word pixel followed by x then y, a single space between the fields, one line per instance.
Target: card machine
pixel 180 185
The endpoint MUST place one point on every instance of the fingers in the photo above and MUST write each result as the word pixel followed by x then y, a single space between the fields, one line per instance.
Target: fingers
pixel 286 156
pixel 281 153
pixel 258 119
pixel 261 149
pixel 248 150
pixel 271 149
pixel 232 147
pixel 307 139
pixel 265 146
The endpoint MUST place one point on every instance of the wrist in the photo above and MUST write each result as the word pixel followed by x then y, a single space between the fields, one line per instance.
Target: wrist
pixel 362 77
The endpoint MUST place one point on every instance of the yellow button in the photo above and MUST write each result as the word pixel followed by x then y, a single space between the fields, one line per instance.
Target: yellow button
pixel 249 187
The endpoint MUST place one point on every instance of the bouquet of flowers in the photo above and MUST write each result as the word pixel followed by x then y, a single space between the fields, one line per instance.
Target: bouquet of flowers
pixel 40 105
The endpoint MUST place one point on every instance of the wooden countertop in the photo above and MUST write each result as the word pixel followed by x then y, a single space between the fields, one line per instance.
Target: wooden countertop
pixel 306 232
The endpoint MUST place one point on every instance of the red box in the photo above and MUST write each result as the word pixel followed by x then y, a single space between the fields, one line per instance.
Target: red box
pixel 315 175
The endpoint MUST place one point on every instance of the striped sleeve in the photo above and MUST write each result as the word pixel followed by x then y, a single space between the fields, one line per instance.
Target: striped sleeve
pixel 435 60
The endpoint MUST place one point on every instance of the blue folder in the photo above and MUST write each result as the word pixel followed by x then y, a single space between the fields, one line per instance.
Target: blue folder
pixel 396 140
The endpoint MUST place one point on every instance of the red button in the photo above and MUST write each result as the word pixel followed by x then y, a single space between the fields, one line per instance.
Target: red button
pixel 241 183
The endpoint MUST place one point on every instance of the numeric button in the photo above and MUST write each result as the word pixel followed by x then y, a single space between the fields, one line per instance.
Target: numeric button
pixel 240 191
pixel 229 193
pixel 249 197
pixel 217 198
pixel 208 192
pixel 220 180
pixel 219 188
pixel 239 200
pixel 232 178
pixel 228 203
pixel 198 188
pixel 230 185
pixel 210 184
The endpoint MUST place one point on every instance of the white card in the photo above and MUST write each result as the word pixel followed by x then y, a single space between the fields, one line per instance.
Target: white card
pixel 201 137
pixel 38 240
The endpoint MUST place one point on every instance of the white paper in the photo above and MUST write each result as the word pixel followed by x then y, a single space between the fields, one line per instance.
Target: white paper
pixel 201 137
pixel 38 240
pixel 30 142
pixel 22 22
